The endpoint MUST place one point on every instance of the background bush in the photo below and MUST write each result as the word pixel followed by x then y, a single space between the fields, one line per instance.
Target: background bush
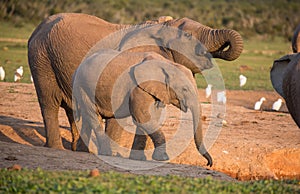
pixel 269 18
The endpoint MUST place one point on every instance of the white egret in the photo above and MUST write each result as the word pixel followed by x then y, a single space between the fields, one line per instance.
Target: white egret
pixel 277 104
pixel 20 71
pixel 208 90
pixel 258 104
pixel 221 97
pixel 2 73
pixel 243 80
pixel 18 74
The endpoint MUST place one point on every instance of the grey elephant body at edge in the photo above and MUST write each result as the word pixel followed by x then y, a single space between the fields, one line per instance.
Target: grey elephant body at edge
pixel 140 85
pixel 285 77
pixel 60 42
pixel 296 40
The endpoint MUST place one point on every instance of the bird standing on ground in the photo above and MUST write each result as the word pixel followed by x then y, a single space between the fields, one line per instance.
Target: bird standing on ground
pixel 208 90
pixel 221 97
pixel 258 104
pixel 277 104
pixel 243 80
pixel 2 73
pixel 18 74
pixel 20 70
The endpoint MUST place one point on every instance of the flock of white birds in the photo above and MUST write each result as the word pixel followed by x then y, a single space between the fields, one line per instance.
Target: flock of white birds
pixel 221 96
pixel 18 74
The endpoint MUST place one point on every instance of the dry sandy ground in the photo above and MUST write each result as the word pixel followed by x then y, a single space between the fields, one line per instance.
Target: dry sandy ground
pixel 251 144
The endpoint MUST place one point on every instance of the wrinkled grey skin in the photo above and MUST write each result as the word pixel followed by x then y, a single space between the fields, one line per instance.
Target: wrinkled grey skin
pixel 285 77
pixel 60 42
pixel 296 40
pixel 144 82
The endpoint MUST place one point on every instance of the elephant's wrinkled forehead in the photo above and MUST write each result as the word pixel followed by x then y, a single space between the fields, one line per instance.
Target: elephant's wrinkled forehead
pixel 187 24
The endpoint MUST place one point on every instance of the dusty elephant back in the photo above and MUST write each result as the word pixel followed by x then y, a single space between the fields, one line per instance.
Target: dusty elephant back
pixel 65 38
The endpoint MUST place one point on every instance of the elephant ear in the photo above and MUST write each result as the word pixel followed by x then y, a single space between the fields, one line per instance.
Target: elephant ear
pixel 152 76
pixel 291 88
pixel 278 72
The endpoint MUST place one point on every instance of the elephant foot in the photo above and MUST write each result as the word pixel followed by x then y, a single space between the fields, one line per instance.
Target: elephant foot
pixel 105 152
pixel 55 146
pixel 74 146
pixel 137 155
pixel 160 154
pixel 81 146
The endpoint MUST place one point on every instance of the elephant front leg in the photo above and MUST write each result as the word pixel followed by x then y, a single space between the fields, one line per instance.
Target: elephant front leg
pixel 139 143
pixel 159 141
pixel 146 113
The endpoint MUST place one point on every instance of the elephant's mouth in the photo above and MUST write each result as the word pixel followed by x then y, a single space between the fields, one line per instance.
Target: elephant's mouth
pixel 183 106
pixel 218 53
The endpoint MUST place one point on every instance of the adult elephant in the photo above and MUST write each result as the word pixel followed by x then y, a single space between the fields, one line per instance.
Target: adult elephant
pixel 60 42
pixel 144 82
pixel 296 40
pixel 285 77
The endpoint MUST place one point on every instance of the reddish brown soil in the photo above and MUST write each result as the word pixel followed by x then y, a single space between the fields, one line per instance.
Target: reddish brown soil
pixel 251 144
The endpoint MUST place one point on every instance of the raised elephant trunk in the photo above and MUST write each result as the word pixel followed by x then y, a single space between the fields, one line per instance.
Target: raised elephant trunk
pixel 225 44
pixel 198 137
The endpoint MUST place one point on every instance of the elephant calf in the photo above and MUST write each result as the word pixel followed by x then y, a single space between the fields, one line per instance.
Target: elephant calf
pixel 113 84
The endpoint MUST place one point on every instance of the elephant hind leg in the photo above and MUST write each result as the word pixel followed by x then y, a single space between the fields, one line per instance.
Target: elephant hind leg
pixel 77 144
pixel 91 121
pixel 50 99
pixel 74 131
pixel 53 137
pixel 139 145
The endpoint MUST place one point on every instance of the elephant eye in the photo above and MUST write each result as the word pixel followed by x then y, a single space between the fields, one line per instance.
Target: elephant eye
pixel 185 89
pixel 204 52
pixel 188 35
pixel 200 50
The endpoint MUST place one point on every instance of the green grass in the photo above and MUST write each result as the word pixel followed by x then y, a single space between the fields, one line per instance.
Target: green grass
pixel 14 54
pixel 20 31
pixel 40 181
